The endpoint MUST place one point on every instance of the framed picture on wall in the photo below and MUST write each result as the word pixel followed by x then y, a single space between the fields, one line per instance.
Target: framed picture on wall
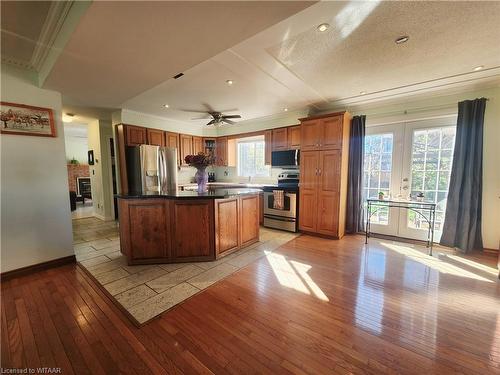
pixel 24 119
pixel 91 157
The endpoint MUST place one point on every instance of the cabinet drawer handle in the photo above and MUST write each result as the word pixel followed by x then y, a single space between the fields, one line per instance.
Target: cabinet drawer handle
pixel 319 172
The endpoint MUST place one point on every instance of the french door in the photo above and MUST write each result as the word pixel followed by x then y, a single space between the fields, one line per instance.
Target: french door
pixel 402 160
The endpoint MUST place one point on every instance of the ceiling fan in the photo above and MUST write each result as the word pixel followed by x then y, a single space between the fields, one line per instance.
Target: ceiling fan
pixel 218 118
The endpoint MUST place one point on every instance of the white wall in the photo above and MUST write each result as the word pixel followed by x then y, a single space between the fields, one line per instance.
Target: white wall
pixel 35 212
pixel 77 148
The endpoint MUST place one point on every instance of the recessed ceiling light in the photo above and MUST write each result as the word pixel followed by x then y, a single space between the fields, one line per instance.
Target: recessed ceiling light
pixel 323 27
pixel 166 106
pixel 285 109
pixel 229 82
pixel 478 68
pixel 362 93
pixel 402 39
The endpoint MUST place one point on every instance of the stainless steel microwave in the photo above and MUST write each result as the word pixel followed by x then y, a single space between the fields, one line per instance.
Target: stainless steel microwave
pixel 285 159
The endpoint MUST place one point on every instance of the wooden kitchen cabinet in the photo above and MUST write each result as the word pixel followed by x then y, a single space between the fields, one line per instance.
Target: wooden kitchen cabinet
pixel 249 219
pixel 186 147
pixel 155 137
pixel 221 151
pixel 293 134
pixel 172 140
pixel 268 146
pixel 192 228
pixel 280 139
pixel 135 135
pixel 146 224
pixel 197 145
pixel 227 233
pixel 323 174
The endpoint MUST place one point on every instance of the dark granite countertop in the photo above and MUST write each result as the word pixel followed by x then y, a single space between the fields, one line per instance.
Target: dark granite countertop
pixel 212 193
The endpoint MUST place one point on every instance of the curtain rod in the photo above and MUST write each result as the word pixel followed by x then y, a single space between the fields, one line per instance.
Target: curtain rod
pixel 413 110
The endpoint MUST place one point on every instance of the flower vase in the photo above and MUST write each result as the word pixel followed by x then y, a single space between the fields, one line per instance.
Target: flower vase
pixel 201 177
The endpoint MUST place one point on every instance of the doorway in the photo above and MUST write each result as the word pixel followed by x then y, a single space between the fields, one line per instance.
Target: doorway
pixel 403 160
pixel 79 181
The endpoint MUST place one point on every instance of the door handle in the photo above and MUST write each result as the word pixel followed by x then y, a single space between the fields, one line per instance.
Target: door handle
pixel 319 172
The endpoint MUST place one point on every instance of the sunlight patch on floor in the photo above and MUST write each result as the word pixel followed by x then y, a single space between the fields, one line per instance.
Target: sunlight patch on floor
pixel 294 275
pixel 433 263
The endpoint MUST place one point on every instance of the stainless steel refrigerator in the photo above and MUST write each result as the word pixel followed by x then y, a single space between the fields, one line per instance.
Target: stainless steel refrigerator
pixel 151 169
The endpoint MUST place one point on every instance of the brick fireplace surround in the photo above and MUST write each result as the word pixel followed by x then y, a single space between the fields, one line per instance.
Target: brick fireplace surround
pixel 74 171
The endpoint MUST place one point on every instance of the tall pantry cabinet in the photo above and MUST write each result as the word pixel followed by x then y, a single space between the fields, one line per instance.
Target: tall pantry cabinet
pixel 323 174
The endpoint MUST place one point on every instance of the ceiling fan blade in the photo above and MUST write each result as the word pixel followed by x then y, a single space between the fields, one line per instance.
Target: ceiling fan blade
pixel 228 121
pixel 212 122
pixel 229 110
pixel 208 107
pixel 231 116
pixel 201 118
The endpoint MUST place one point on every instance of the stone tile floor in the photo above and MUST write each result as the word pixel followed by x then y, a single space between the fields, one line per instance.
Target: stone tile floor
pixel 146 291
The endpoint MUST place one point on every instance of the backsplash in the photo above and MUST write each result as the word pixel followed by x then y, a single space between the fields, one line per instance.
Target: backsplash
pixel 227 174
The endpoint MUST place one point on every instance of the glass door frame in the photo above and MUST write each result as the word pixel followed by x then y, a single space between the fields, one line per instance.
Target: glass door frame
pixel 409 127
pixel 397 131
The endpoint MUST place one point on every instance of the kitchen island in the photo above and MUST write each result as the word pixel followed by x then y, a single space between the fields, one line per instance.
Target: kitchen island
pixel 187 226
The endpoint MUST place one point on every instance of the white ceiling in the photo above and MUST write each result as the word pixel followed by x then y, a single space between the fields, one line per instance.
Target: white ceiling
pixel 292 65
pixel 120 49
pixel 124 54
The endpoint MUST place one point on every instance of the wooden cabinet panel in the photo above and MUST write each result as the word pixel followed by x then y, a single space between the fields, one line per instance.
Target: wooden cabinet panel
pixel 192 224
pixel 328 214
pixel 332 133
pixel 309 164
pixel 280 139
pixel 147 224
pixel 310 133
pixel 155 137
pixel 268 146
pixel 135 135
pixel 186 147
pixel 249 219
pixel 197 145
pixel 172 140
pixel 293 137
pixel 329 171
pixel 221 151
pixel 226 225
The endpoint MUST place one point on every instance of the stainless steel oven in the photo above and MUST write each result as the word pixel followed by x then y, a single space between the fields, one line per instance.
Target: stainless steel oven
pixel 284 215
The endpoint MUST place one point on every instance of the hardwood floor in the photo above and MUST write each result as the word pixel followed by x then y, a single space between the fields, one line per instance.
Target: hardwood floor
pixel 313 306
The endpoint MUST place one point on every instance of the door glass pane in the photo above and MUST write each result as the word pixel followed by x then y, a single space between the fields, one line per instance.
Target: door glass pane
pixel 432 154
pixel 377 171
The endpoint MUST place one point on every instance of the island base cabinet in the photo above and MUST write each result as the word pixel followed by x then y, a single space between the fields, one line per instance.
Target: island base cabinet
pixel 144 230
pixel 236 223
pixel 192 227
pixel 156 230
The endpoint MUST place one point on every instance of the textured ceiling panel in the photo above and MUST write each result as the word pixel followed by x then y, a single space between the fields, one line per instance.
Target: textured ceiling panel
pixel 22 22
pixel 357 53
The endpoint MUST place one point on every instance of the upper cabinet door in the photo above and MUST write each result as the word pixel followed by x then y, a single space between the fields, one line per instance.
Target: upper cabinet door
pixel 332 133
pixel 186 147
pixel 172 140
pixel 135 135
pixel 221 151
pixel 310 134
pixel 280 139
pixel 197 145
pixel 268 146
pixel 155 137
pixel 293 137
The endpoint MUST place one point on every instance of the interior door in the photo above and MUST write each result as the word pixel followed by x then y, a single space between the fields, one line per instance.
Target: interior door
pixel 382 173
pixel 428 155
